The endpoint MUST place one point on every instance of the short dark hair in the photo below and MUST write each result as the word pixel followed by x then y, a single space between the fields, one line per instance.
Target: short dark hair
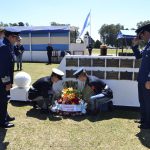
pixel 58 76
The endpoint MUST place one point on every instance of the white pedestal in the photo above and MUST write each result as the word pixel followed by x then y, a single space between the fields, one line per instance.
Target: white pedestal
pixel 19 94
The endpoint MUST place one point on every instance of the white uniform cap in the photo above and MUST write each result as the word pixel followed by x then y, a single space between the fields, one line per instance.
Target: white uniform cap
pixel 57 71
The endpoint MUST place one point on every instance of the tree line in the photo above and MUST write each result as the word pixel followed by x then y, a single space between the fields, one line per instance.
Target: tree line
pixel 108 33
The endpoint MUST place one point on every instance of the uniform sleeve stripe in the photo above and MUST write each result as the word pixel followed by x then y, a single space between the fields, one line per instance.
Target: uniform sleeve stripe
pixel 5 79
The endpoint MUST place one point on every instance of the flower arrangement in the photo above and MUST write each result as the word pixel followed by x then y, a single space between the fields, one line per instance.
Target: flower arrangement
pixel 70 103
pixel 70 96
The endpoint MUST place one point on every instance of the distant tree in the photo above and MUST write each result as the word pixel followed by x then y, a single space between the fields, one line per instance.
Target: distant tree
pixel 97 44
pixel 6 25
pixel 74 33
pixel 108 33
pixel 20 24
pixel 26 24
pixel 141 23
pixel 58 24
pixel 1 24
pixel 13 24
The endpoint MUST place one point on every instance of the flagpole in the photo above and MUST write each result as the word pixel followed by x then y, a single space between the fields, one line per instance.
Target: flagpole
pixel 90 23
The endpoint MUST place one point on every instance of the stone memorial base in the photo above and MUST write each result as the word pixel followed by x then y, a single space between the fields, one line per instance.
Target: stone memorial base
pixel 19 94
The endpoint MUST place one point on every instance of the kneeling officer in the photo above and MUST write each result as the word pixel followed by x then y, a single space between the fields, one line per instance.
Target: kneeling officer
pixel 95 91
pixel 41 91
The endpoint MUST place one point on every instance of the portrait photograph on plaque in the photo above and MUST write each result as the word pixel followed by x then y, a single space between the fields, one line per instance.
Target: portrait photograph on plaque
pixel 71 62
pixel 85 62
pixel 112 62
pixel 126 75
pixel 127 63
pixel 99 74
pixel 99 62
pixel 112 75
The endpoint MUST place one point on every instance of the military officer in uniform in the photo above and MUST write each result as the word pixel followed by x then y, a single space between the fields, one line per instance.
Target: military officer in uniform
pixel 1 35
pixel 19 49
pixel 143 33
pixel 6 74
pixel 49 49
pixel 98 91
pixel 41 92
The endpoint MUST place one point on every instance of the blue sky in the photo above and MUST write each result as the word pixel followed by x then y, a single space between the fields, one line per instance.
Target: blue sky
pixel 74 12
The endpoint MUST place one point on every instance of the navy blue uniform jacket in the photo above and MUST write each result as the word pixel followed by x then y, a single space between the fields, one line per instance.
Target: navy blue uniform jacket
pixel 144 70
pixel 43 86
pixel 96 84
pixel 18 49
pixel 6 62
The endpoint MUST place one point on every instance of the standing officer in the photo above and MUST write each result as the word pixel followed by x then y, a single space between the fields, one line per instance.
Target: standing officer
pixel 6 74
pixel 19 49
pixel 143 33
pixel 89 47
pixel 49 53
pixel 1 36
pixel 98 92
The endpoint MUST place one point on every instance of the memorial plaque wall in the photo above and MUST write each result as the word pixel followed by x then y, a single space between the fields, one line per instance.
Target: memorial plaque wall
pixel 99 62
pixel 112 62
pixel 86 62
pixel 71 62
pixel 112 75
pixel 99 74
pixel 128 63
pixel 126 75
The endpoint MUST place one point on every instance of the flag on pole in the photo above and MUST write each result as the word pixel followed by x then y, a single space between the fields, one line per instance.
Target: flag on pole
pixel 86 23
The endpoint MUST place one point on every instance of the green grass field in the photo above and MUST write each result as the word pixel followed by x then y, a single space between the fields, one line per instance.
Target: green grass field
pixel 109 51
pixel 114 130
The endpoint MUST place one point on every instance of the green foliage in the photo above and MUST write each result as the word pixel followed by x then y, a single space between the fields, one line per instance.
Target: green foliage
pixel 141 23
pixel 58 24
pixel 97 44
pixel 108 33
pixel 13 24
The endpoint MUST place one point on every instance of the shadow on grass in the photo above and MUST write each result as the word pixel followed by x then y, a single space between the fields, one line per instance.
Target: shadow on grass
pixel 116 113
pixel 35 113
pixel 3 145
pixel 19 103
pixel 144 137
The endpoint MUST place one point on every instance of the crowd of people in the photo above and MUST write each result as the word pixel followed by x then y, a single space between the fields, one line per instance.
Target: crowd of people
pixel 41 92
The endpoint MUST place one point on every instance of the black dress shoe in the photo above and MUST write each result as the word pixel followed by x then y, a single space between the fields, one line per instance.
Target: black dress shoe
pixel 142 126
pixel 139 121
pixel 10 119
pixel 34 104
pixel 7 125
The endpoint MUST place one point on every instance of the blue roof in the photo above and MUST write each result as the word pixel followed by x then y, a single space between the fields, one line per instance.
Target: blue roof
pixel 38 28
pixel 126 34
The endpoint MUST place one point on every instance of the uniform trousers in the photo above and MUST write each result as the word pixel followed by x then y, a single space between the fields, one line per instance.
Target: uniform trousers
pixel 144 100
pixel 42 102
pixel 49 58
pixel 19 61
pixel 3 103
pixel 97 100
